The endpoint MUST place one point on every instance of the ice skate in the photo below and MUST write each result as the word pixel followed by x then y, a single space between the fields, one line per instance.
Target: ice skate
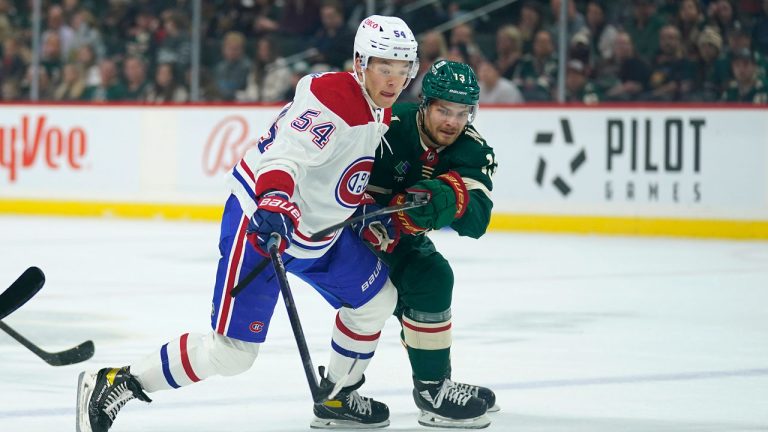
pixel 349 410
pixel 448 405
pixel 101 395
pixel 483 393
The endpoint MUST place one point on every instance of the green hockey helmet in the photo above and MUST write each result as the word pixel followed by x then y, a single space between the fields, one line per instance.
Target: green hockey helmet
pixel 453 82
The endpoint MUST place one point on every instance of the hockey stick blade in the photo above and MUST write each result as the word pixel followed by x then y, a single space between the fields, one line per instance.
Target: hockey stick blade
pixel 20 291
pixel 77 354
pixel 417 199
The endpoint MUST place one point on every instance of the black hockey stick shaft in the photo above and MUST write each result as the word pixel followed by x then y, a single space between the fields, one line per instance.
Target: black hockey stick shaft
pixel 21 290
pixel 77 354
pixel 414 200
pixel 293 315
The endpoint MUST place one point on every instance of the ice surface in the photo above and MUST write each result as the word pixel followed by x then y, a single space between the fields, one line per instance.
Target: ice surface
pixel 574 333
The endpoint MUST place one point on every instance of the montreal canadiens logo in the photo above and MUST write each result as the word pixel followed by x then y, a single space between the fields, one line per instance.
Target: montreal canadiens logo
pixel 256 326
pixel 353 181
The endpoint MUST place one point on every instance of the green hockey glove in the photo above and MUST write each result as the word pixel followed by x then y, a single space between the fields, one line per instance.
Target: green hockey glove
pixel 448 199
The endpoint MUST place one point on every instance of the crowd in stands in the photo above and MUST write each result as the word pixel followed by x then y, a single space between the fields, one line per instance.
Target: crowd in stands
pixel 257 50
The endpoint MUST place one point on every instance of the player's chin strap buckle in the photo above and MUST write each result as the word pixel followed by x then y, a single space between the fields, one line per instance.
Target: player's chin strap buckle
pixel 329 387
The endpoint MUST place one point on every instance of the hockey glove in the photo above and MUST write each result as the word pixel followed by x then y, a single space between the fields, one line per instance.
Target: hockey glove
pixel 275 214
pixel 380 231
pixel 448 200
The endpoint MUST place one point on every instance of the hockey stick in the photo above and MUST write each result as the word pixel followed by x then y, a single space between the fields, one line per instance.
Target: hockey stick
pixel 319 393
pixel 77 354
pixel 414 200
pixel 21 290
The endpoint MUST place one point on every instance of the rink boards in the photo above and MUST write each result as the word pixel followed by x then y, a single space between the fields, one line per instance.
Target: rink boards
pixel 648 170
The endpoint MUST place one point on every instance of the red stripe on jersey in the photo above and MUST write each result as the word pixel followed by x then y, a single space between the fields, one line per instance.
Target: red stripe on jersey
pixel 342 94
pixel 237 256
pixel 247 170
pixel 387 116
pixel 275 179
pixel 298 234
pixel 185 358
pixel 427 329
pixel 352 335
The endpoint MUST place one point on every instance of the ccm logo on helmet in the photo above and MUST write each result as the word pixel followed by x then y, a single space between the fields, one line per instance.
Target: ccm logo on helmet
pixel 351 185
pixel 371 23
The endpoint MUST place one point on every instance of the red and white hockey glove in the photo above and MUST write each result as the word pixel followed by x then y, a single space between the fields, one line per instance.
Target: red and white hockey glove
pixel 380 231
pixel 275 214
pixel 448 200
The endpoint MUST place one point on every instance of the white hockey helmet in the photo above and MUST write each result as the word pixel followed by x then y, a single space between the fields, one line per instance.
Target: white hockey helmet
pixel 386 37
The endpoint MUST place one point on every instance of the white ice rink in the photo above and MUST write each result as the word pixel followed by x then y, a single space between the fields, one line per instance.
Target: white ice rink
pixel 574 333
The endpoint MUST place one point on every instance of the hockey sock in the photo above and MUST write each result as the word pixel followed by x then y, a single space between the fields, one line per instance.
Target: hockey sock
pixel 192 358
pixel 427 337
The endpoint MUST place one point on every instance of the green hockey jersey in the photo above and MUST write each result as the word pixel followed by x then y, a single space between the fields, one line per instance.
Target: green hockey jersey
pixel 410 160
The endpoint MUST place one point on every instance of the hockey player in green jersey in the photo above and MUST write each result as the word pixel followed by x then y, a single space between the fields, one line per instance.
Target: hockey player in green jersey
pixel 435 148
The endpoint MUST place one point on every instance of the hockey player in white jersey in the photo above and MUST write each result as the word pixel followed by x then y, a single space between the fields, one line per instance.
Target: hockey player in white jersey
pixel 309 171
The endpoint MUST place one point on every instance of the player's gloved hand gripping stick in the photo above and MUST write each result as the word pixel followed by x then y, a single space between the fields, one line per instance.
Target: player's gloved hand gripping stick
pixel 412 200
pixel 320 394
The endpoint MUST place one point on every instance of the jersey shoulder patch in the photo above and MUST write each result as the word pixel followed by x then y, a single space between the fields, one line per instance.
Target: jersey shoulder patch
pixel 340 93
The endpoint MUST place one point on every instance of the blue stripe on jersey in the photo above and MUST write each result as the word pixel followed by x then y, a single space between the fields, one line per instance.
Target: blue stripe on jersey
pixel 308 247
pixel 245 184
pixel 350 354
pixel 166 367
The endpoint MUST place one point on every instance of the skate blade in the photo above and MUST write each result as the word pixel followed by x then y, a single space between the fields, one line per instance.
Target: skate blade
pixel 84 389
pixel 318 423
pixel 494 408
pixel 433 420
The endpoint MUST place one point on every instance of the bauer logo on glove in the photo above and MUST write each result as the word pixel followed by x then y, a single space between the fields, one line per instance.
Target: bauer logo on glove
pixel 275 214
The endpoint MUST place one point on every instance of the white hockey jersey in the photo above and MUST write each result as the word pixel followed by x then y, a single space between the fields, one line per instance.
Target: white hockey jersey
pixel 321 147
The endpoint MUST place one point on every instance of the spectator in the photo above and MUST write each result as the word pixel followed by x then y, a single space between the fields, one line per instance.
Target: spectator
pixel 140 40
pixel 57 26
pixel 602 34
pixel 760 32
pixel 690 20
pixel 333 39
pixel 166 87
pixel 721 15
pixel 231 74
pixel 270 78
pixel 300 17
pixel 72 84
pixel 85 33
pixel 494 88
pixel 44 89
pixel 529 23
pixel 175 46
pixel 644 28
pixel 6 27
pixel 671 74
pixel 509 50
pixel 577 85
pixel 267 16
pixel 628 73
pixel 135 72
pixel 575 19
pixel 538 71
pixel 432 46
pixel 462 42
pixel 745 87
pixel 110 88
pixel 50 57
pixel 12 65
pixel 86 59
pixel 708 84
